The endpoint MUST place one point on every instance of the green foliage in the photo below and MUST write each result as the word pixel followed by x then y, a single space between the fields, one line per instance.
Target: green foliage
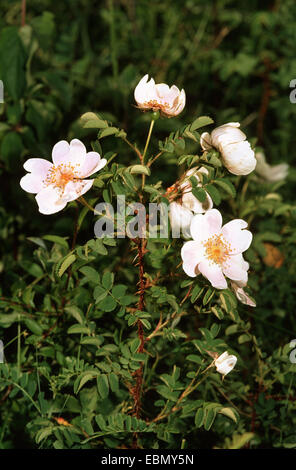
pixel 71 318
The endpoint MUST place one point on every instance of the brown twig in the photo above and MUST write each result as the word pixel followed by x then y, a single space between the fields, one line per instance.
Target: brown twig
pixel 23 18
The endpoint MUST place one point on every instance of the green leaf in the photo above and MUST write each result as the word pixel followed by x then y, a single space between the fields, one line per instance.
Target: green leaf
pixel 76 313
pixel 107 132
pixel 55 239
pixel 95 124
pixel 100 293
pixel 108 304
pixel 66 263
pixel 91 274
pixel 33 326
pixel 208 296
pixel 113 381
pixel 82 380
pixel 134 346
pixel 214 193
pixel 209 418
pixel 146 323
pixel 200 194
pixel 89 116
pixel 12 62
pixel 199 417
pixel 229 413
pixel 140 169
pixel 103 385
pixel 201 122
pixel 194 358
pixel 92 341
pixel 243 339
pixel 78 329
pixel 119 291
pixel 196 292
pixel 107 280
pixel 227 186
pixel 239 441
pixel 43 433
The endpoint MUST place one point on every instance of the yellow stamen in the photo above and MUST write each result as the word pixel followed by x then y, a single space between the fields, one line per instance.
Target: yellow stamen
pixel 60 175
pixel 155 105
pixel 217 249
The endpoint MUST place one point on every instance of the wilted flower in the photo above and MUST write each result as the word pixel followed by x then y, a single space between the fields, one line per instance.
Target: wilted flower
pixel 237 155
pixel 270 173
pixel 180 219
pixel 216 251
pixel 225 363
pixel 170 101
pixel 181 211
pixel 241 295
pixel 62 181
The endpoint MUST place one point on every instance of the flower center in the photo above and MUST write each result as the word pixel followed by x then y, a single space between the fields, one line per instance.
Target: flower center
pixel 154 104
pixel 217 249
pixel 60 175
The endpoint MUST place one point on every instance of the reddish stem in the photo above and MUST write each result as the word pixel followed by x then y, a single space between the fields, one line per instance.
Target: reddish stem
pixel 137 389
pixel 23 20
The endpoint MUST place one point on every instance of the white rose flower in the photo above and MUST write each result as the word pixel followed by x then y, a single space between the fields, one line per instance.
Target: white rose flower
pixel 170 101
pixel 216 251
pixel 55 184
pixel 237 154
pixel 270 173
pixel 225 363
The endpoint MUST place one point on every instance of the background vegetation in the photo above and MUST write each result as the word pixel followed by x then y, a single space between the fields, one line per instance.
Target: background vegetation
pixel 71 349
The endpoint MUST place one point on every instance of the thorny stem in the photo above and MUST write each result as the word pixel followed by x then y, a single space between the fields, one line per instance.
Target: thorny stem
pixel 141 245
pixel 137 390
pixel 19 345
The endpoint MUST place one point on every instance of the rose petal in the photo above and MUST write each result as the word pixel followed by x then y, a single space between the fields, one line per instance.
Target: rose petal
pixel 235 269
pixel 192 254
pixel 60 152
pixel 31 183
pixel 227 134
pixel 49 200
pixel 204 226
pixel 77 154
pixel 239 239
pixel 205 141
pixel 74 189
pixel 38 166
pixel 145 91
pixel 239 158
pixel 213 273
pixel 92 163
